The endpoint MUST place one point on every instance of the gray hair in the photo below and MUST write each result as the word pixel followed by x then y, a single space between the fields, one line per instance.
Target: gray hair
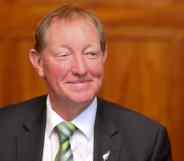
pixel 67 12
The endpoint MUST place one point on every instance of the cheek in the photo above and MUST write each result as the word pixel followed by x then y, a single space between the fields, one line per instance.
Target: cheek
pixel 96 70
pixel 55 71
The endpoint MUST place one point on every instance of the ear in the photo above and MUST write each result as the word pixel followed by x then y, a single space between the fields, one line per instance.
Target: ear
pixel 105 54
pixel 36 60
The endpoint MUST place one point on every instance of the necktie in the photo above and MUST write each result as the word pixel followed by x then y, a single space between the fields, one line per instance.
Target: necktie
pixel 65 131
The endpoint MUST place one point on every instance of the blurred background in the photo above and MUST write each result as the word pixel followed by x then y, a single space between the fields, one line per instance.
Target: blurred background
pixel 145 66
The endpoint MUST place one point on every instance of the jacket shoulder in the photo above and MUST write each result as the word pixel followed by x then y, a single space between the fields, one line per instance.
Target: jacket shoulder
pixel 12 115
pixel 124 115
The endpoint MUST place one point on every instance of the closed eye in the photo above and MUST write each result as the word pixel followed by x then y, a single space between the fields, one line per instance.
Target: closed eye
pixel 62 55
pixel 92 55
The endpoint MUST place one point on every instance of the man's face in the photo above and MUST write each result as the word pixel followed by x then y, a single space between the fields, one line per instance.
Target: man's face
pixel 72 62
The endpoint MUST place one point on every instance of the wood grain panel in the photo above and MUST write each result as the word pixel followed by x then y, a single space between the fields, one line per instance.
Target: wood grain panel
pixel 144 70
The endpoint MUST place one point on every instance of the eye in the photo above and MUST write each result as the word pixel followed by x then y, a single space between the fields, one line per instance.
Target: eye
pixel 62 55
pixel 92 54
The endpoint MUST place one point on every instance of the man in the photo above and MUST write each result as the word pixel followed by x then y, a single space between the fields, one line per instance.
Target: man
pixel 69 54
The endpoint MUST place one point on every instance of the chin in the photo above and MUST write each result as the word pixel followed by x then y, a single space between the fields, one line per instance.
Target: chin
pixel 82 98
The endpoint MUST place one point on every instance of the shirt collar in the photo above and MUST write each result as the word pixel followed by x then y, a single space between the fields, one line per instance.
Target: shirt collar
pixel 84 121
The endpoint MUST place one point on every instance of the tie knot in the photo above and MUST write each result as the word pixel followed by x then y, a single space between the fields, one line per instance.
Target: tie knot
pixel 65 130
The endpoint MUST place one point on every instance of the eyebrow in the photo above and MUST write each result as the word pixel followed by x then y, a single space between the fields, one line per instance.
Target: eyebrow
pixel 91 45
pixel 87 46
pixel 66 46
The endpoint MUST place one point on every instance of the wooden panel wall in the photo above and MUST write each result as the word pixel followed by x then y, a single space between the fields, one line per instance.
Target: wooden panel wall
pixel 144 70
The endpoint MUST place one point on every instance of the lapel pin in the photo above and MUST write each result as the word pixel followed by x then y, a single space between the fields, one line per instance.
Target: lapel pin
pixel 106 155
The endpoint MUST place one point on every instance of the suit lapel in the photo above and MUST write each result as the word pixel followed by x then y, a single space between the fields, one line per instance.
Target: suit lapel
pixel 31 138
pixel 106 136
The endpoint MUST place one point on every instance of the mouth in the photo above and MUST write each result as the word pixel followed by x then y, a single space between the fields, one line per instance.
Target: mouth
pixel 79 81
pixel 79 84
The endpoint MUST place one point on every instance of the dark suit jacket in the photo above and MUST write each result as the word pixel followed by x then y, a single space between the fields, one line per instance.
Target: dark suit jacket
pixel 127 135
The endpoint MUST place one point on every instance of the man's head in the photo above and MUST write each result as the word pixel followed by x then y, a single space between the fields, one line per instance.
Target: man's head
pixel 70 52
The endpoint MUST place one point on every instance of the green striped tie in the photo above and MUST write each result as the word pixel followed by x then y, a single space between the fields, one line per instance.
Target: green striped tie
pixel 65 131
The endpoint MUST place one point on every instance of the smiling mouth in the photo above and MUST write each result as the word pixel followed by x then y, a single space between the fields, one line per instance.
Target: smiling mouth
pixel 79 82
pixel 79 85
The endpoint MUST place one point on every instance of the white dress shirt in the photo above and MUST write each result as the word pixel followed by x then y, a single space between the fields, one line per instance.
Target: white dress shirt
pixel 81 141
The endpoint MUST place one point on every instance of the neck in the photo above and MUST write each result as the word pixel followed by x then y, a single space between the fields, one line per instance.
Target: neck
pixel 68 110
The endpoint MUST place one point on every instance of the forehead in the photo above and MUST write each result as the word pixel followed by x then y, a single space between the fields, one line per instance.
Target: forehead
pixel 79 26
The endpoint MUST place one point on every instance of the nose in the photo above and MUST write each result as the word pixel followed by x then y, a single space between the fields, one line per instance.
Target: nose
pixel 79 66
